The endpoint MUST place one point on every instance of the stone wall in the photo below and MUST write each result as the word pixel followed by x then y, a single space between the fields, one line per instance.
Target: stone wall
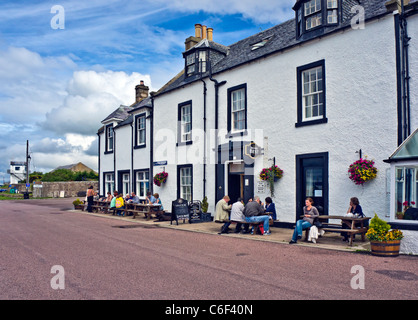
pixel 60 189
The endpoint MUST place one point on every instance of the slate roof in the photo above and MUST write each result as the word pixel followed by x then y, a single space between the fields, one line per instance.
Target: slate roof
pixel 144 103
pixel 283 37
pixel 119 114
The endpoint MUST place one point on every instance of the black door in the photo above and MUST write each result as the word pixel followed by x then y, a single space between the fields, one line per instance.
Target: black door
pixel 234 187
pixel 312 181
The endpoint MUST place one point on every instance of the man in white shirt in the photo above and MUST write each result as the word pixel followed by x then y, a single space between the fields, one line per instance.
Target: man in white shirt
pixel 238 215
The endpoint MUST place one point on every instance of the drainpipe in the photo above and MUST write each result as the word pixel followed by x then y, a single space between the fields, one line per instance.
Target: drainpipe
pixel 217 85
pixel 132 154
pixel 98 165
pixel 115 178
pixel 204 138
pixel 151 169
pixel 405 53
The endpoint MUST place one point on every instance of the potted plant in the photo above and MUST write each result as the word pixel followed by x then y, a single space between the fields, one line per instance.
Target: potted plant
pixel 160 178
pixel 361 171
pixel 271 175
pixel 204 206
pixel 78 204
pixel 383 240
pixel 400 215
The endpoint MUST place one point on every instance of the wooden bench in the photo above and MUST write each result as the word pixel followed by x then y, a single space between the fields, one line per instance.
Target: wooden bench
pixel 140 208
pixel 255 225
pixel 350 222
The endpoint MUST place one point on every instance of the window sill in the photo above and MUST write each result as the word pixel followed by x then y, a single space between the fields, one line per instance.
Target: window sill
pixel 311 122
pixel 236 133
pixel 185 143
pixel 140 146
pixel 108 152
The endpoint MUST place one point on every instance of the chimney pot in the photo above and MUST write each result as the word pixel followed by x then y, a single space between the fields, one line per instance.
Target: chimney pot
pixel 210 34
pixel 198 30
pixel 141 91
pixel 204 32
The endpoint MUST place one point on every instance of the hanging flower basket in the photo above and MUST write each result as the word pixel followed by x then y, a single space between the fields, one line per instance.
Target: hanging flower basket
pixel 361 171
pixel 271 175
pixel 160 178
pixel 273 171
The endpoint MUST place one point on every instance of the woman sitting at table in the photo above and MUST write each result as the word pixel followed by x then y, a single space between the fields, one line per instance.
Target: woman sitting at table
pixel 309 215
pixel 271 208
pixel 109 197
pixel 158 201
pixel 355 210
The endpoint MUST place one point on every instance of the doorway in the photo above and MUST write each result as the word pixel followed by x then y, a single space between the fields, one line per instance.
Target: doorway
pixel 312 182
pixel 235 181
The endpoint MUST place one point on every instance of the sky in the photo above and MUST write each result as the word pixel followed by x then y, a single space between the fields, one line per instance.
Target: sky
pixel 66 65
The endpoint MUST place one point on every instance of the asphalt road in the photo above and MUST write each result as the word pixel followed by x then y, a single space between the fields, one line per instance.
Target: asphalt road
pixel 98 259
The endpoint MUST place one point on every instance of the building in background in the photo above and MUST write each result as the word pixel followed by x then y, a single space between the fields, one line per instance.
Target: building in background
pixel 17 171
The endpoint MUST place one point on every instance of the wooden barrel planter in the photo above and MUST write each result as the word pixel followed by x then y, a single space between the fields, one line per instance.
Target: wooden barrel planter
pixel 385 248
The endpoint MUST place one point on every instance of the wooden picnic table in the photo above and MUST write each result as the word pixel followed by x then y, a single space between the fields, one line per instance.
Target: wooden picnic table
pixel 355 225
pixel 146 209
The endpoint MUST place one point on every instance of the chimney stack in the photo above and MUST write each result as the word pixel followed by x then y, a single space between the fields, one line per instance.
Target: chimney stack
pixel 141 91
pixel 201 32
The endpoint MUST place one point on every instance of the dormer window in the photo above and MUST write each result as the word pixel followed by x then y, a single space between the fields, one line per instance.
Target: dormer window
pixel 190 64
pixel 315 15
pixel 332 11
pixel 196 62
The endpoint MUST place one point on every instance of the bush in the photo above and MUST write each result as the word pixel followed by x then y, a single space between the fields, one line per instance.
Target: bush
pixel 379 230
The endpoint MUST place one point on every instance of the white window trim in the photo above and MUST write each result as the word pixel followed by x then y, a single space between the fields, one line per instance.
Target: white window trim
pixel 242 105
pixel 181 185
pixel 185 136
pixel 144 181
pixel 140 130
pixel 394 167
pixel 304 95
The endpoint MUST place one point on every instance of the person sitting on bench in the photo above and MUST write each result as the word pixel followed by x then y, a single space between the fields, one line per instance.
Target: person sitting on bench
pixel 254 212
pixel 354 209
pixel 310 213
pixel 222 213
pixel 238 215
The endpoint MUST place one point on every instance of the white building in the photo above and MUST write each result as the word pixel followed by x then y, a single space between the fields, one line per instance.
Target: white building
pixel 125 148
pixel 311 95
pixel 17 171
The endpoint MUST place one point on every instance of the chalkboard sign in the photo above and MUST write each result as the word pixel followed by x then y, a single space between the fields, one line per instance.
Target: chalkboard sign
pixel 179 210
pixel 195 212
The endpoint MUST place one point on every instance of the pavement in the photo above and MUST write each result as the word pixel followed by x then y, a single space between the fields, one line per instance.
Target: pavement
pixel 330 240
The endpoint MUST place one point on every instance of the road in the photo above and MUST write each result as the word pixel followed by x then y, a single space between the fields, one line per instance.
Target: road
pixel 98 258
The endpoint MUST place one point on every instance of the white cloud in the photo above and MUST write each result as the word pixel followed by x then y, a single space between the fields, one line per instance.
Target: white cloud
pixel 92 96
pixel 266 11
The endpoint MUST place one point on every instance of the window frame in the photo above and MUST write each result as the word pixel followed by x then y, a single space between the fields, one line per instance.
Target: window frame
pixel 179 183
pixel 106 182
pixel 109 129
pixel 138 182
pixel 301 119
pixel 230 118
pixel 180 124
pixel 138 118
pixel 193 61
